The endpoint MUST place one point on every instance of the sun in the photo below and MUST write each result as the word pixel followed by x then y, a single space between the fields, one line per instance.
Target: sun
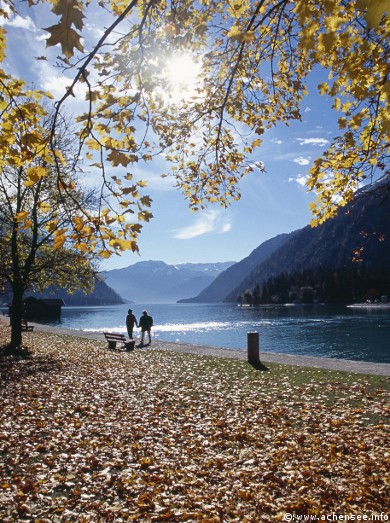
pixel 182 73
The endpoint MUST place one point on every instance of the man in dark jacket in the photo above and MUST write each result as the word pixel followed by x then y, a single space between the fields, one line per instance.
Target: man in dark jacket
pixel 131 320
pixel 146 323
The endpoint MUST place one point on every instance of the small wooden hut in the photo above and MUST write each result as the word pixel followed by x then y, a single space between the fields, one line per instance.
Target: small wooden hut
pixel 42 308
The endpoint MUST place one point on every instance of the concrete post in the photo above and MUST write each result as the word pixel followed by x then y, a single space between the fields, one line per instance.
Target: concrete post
pixel 253 348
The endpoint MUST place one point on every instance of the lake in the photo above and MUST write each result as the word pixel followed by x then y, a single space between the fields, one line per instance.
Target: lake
pixel 325 331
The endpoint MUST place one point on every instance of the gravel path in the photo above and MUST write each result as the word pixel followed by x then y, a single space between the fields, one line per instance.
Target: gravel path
pixel 361 367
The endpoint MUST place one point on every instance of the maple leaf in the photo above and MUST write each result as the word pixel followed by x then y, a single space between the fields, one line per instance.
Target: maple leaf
pixel 34 174
pixel 65 36
pixel 119 158
pixel 70 13
pixel 236 35
pixel 375 10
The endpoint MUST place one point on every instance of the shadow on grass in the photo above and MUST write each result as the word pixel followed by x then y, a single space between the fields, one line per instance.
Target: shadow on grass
pixel 259 366
pixel 17 365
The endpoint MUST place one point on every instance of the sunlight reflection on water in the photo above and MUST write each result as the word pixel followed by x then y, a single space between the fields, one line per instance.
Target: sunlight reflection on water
pixel 316 331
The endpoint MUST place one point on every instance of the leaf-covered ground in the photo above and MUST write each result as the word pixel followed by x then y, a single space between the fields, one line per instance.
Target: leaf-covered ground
pixel 89 435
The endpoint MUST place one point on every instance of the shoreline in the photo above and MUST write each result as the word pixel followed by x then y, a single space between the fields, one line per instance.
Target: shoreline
pixel 355 366
pixel 383 306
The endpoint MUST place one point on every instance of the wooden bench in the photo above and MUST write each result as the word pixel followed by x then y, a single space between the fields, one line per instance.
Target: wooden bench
pixel 26 327
pixel 113 338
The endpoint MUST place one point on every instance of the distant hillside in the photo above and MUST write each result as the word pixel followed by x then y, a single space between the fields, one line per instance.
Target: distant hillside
pixel 102 295
pixel 362 227
pixel 232 277
pixel 158 282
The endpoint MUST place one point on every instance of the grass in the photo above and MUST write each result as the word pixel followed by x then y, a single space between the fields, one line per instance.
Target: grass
pixel 87 434
pixel 305 384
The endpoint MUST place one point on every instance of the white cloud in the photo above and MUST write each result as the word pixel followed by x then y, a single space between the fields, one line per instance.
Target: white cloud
pixel 226 227
pixel 18 22
pixel 53 80
pixel 301 160
pixel 318 142
pixel 307 110
pixel 94 30
pixel 207 222
pixel 300 180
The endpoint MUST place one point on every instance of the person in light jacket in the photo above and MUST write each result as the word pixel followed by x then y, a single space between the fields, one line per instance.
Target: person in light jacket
pixel 146 324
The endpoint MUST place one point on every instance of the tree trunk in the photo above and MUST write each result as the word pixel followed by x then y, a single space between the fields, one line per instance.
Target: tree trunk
pixel 16 316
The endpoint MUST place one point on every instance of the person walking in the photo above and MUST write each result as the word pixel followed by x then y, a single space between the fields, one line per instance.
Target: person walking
pixel 146 324
pixel 131 320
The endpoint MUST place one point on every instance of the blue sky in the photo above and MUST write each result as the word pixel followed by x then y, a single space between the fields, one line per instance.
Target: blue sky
pixel 272 203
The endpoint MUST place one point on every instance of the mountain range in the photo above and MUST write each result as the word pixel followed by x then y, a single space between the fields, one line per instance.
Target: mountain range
pixel 232 277
pixel 358 237
pixel 158 282
pixel 101 295
pixel 355 242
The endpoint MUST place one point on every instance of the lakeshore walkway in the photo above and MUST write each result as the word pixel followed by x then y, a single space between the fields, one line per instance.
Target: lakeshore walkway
pixel 361 367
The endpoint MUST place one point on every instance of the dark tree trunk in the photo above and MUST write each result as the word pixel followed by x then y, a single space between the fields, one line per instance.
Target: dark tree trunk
pixel 16 317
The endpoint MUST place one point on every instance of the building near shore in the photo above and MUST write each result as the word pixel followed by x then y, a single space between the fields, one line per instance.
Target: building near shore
pixel 42 308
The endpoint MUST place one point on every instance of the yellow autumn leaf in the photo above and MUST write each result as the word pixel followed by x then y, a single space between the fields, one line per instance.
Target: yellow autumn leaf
pixel 234 33
pixel 385 91
pixel 51 226
pixel 78 223
pixel 238 8
pixel 122 245
pixel 70 12
pixel 327 41
pixel 334 22
pixel 337 104
pixel 256 143
pixel 104 253
pixel 20 216
pixel 59 241
pixel 375 10
pixel 44 207
pixel 248 36
pixel 34 174
pixel 82 247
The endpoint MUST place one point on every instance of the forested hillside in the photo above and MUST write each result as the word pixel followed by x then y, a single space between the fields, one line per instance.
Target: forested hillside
pixel 101 295
pixel 345 259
